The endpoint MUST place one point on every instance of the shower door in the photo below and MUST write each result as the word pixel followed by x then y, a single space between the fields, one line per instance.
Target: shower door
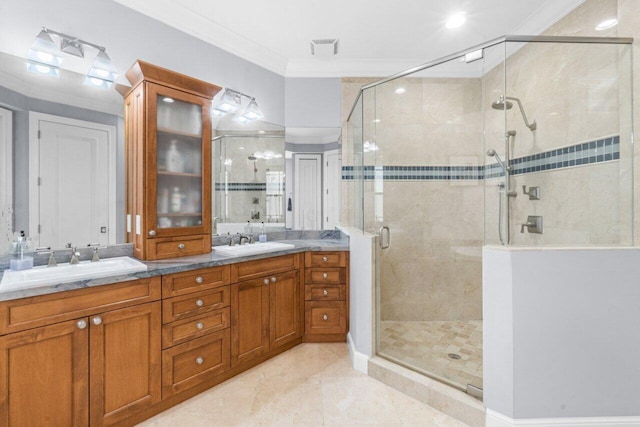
pixel 423 159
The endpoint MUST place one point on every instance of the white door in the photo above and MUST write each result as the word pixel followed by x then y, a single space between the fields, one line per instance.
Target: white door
pixel 307 202
pixel 332 182
pixel 74 202
pixel 6 179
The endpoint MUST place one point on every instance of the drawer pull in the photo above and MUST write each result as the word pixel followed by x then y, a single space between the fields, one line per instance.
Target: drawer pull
pixel 325 317
pixel 199 325
pixel 199 360
pixel 266 281
pixel 81 324
pixel 325 259
pixel 273 280
pixel 199 303
pixel 325 275
pixel 199 279
pixel 325 292
pixel 181 246
pixel 152 232
pixel 97 320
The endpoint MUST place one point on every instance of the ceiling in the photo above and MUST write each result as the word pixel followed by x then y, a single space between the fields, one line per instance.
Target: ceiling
pixel 376 37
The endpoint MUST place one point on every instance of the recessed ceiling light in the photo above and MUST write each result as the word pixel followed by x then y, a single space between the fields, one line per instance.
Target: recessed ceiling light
pixel 400 90
pixel 606 24
pixel 456 20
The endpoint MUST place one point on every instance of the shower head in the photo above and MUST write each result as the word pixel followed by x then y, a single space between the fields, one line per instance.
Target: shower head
pixel 492 153
pixel 504 104
pixel 501 104
pixel 252 157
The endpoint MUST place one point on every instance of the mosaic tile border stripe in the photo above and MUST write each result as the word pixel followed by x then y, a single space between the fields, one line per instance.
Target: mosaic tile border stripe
pixel 597 151
pixel 242 186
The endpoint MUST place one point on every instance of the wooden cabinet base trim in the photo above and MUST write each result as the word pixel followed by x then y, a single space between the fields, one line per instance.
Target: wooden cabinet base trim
pixel 325 338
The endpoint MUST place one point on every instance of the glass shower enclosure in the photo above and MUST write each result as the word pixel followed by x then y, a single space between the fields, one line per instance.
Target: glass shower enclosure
pixel 522 141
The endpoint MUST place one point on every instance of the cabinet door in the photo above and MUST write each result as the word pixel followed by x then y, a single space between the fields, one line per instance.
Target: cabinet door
pixel 125 362
pixel 44 376
pixel 249 320
pixel 285 305
pixel 179 163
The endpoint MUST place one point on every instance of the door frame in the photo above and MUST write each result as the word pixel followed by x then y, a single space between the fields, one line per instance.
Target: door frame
pixel 34 168
pixel 296 191
pixel 6 162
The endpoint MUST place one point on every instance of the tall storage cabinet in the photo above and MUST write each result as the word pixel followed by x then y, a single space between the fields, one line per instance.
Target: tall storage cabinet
pixel 168 158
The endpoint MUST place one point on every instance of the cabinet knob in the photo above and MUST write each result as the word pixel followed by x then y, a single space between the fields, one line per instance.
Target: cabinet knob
pixel 81 324
pixel 97 320
pixel 266 281
pixel 199 325
pixel 325 292
pixel 273 279
pixel 199 303
pixel 199 279
pixel 325 275
pixel 199 360
pixel 181 246
pixel 325 317
pixel 152 232
pixel 325 259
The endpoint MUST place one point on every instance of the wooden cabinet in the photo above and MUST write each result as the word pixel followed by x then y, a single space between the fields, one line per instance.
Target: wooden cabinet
pixel 267 309
pixel 44 376
pixel 326 296
pixel 108 361
pixel 196 319
pixel 168 157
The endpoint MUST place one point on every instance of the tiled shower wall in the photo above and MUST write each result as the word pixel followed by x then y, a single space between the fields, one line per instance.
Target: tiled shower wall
pixel 432 270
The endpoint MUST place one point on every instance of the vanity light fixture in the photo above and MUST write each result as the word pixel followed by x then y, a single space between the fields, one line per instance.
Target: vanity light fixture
pixel 606 24
pixel 231 102
pixel 45 57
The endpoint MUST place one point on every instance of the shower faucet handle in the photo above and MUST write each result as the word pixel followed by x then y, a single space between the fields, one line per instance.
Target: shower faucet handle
pixel 533 193
pixel 533 225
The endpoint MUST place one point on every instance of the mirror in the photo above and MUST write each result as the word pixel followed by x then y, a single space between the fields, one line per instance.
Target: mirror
pixel 22 94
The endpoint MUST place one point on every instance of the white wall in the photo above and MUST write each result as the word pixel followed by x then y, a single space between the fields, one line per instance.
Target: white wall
pixel 561 332
pixel 313 103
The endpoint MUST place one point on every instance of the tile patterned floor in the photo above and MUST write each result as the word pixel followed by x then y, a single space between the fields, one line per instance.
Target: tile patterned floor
pixel 425 346
pixel 309 385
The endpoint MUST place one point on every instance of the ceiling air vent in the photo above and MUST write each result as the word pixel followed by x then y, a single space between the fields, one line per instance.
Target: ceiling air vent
pixel 324 48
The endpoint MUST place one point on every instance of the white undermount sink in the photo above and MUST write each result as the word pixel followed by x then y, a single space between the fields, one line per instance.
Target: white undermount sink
pixel 63 273
pixel 252 249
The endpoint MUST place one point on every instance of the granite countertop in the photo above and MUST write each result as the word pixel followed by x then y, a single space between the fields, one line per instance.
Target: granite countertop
pixel 177 265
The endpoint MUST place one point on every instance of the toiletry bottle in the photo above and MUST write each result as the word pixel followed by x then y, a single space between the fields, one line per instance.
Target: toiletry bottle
pixel 175 159
pixel 263 234
pixel 176 200
pixel 248 229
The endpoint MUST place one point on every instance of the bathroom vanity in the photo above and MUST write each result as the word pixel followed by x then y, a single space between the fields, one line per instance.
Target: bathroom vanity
pixel 118 353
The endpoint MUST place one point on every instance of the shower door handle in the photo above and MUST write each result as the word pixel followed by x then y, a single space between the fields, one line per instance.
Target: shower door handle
pixel 384 230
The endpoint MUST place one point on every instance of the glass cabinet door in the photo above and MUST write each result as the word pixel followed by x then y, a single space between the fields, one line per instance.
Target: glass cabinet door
pixel 181 149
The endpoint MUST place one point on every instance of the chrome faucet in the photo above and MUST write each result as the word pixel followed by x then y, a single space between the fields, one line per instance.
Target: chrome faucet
pixel 243 237
pixel 75 256
pixel 231 242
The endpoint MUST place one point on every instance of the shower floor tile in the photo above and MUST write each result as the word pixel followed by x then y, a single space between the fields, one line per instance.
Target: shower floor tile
pixel 426 345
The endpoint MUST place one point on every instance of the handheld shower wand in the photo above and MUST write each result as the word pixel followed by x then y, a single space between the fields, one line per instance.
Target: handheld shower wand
pixel 492 153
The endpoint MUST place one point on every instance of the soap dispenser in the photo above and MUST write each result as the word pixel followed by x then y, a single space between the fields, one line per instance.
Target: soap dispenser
pixel 21 244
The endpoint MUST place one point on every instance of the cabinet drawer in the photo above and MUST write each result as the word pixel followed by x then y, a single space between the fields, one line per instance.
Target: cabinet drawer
pixel 325 275
pixel 263 267
pixel 194 281
pixel 26 313
pixel 178 246
pixel 325 317
pixel 189 364
pixel 325 292
pixel 325 259
pixel 195 304
pixel 184 330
